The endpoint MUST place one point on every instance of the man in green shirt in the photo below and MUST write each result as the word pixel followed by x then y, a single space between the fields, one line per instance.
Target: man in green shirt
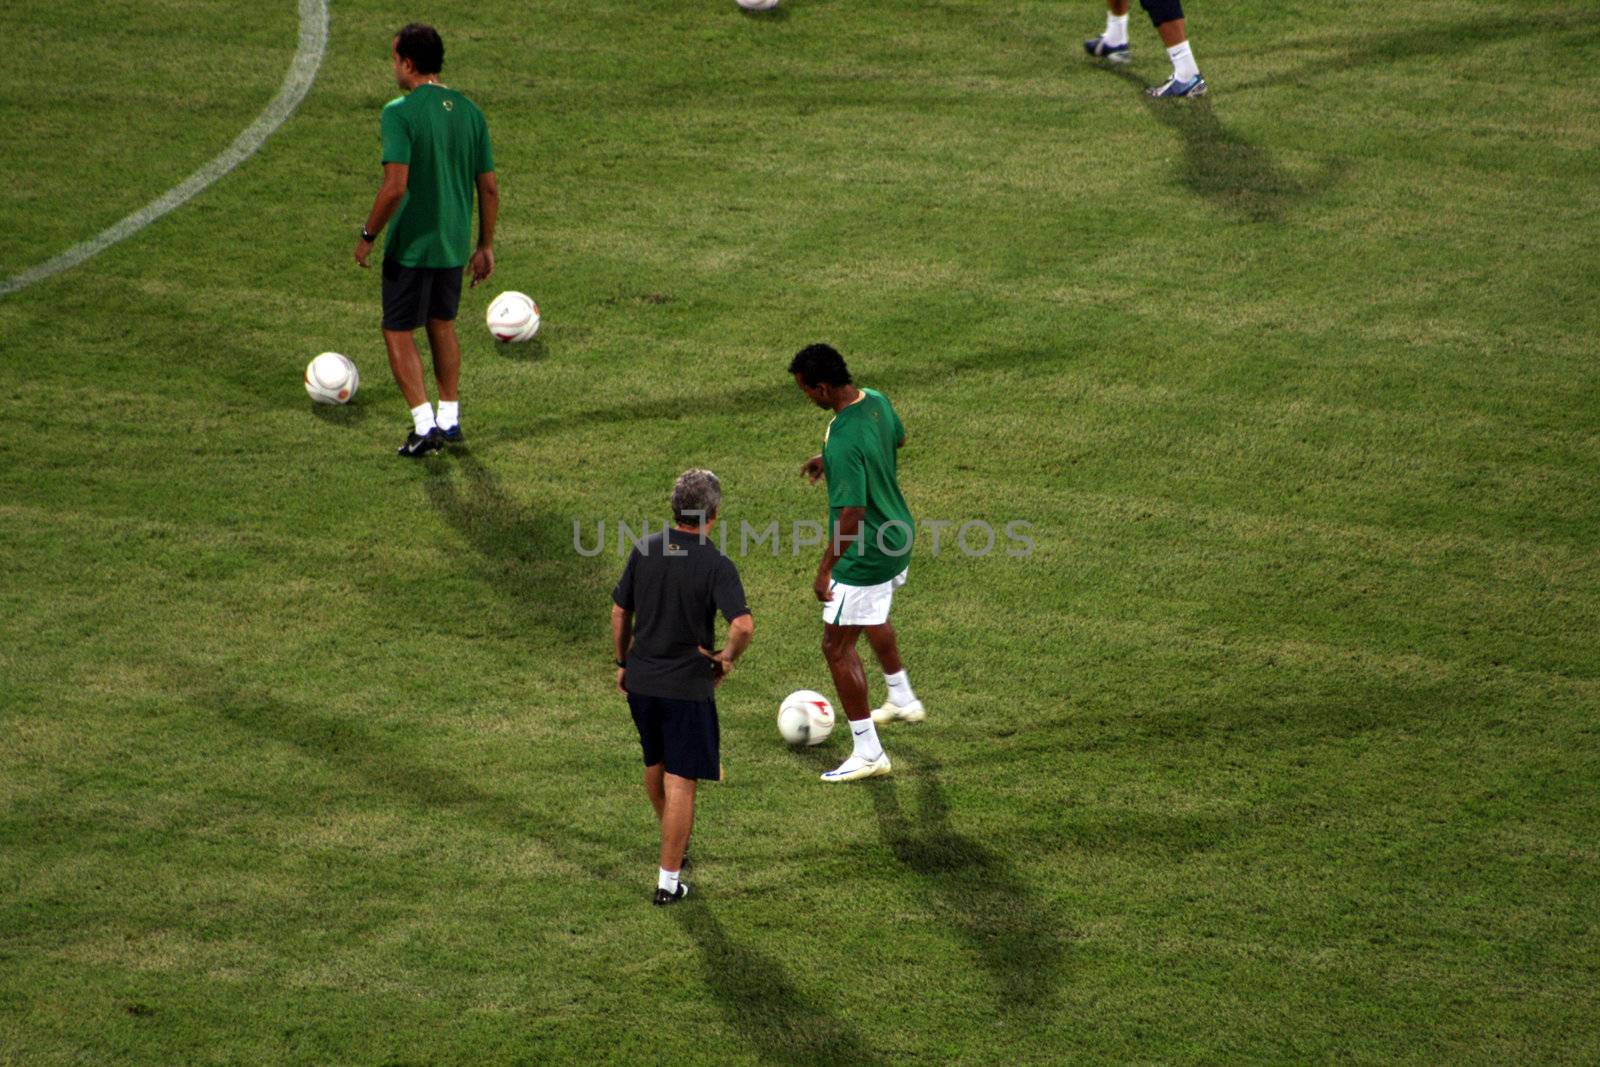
pixel 867 552
pixel 436 154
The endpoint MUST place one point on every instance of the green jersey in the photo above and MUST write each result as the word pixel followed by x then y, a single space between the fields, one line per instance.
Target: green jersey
pixel 442 137
pixel 858 456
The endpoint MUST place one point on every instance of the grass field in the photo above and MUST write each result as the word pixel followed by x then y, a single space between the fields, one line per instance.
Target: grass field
pixel 1282 745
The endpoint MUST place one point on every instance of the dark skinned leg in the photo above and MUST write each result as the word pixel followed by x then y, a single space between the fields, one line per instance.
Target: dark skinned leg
pixel 405 363
pixel 849 678
pixel 884 646
pixel 446 356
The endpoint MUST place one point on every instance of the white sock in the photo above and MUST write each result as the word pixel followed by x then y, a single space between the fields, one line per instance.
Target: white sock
pixel 667 880
pixel 1116 29
pixel 900 693
pixel 449 413
pixel 422 415
pixel 1183 67
pixel 866 737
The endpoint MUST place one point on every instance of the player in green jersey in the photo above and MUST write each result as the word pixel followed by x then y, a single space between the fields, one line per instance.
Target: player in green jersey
pixel 868 551
pixel 436 154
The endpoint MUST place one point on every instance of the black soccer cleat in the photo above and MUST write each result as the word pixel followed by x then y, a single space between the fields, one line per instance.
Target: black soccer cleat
pixel 453 436
pixel 663 898
pixel 419 445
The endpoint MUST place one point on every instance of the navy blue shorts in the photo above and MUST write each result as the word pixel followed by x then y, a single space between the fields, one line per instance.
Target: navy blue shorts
pixel 413 295
pixel 683 734
pixel 1162 10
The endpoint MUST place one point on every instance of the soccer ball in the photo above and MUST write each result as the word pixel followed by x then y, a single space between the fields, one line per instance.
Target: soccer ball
pixel 805 718
pixel 513 317
pixel 332 379
pixel 757 5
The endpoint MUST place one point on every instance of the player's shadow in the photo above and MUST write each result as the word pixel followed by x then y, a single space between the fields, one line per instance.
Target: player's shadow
pixel 1227 170
pixel 528 557
pixel 975 891
pixel 382 766
pixel 781 1022
pixel 340 414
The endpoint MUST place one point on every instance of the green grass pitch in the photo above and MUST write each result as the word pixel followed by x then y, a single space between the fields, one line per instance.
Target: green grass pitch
pixel 1281 746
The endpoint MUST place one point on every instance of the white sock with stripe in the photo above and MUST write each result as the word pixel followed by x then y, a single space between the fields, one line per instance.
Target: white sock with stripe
pixel 865 735
pixel 667 880
pixel 449 413
pixel 1116 29
pixel 900 694
pixel 422 415
pixel 1183 65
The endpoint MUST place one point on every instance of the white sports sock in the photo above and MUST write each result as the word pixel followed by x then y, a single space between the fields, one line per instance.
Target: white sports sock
pixel 449 413
pixel 667 880
pixel 1116 29
pixel 868 746
pixel 1183 67
pixel 422 415
pixel 900 693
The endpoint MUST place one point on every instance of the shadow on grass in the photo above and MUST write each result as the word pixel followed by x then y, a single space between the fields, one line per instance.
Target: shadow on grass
pixel 384 767
pixel 533 351
pixel 976 892
pixel 782 395
pixel 1226 169
pixel 340 414
pixel 781 1022
pixel 528 556
pixel 1340 53
pixel 760 1000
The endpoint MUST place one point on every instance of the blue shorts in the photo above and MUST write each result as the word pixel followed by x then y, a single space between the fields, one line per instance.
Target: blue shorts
pixel 683 734
pixel 1162 10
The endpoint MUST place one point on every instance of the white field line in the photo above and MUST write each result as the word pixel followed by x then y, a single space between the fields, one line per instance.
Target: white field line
pixel 296 84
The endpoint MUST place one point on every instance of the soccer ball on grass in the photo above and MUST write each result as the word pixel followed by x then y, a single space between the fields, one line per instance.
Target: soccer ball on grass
pixel 513 317
pixel 332 379
pixel 805 718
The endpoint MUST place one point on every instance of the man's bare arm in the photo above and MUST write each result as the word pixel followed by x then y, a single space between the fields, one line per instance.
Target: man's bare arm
pixel 390 193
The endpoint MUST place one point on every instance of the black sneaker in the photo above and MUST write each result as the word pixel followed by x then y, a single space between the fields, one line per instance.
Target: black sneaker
pixel 419 445
pixel 452 436
pixel 663 898
pixel 686 863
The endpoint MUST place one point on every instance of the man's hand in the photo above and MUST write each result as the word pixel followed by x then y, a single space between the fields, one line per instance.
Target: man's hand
pixel 721 662
pixel 363 250
pixel 482 264
pixel 823 586
pixel 812 468
pixel 621 674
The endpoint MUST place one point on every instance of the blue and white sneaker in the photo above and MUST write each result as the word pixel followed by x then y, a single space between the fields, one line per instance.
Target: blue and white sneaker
pixel 1111 53
pixel 1195 86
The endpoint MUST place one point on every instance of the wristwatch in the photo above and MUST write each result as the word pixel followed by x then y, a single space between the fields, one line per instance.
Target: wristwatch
pixel 365 236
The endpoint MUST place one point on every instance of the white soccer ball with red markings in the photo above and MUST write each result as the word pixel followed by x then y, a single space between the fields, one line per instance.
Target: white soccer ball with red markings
pixel 332 379
pixel 513 317
pixel 805 718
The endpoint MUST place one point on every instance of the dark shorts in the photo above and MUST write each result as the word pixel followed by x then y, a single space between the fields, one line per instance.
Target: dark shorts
pixel 413 295
pixel 683 734
pixel 1162 10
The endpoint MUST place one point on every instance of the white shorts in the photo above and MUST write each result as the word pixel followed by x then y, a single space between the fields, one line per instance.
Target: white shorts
pixel 862 605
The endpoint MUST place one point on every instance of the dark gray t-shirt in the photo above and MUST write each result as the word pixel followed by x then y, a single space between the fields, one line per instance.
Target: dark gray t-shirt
pixel 674 584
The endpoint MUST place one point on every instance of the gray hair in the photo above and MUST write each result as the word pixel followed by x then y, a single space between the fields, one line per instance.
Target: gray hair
pixel 696 496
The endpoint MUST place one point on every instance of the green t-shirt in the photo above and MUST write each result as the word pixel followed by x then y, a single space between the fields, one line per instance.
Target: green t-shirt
pixel 858 456
pixel 443 138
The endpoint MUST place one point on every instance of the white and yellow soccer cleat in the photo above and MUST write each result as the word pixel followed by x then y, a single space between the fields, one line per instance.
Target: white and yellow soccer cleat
pixel 891 712
pixel 856 767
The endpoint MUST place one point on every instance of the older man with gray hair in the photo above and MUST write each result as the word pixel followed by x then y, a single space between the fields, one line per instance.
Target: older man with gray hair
pixel 663 624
